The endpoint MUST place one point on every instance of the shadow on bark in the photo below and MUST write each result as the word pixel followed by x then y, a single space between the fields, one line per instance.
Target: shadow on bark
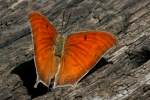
pixel 27 73
pixel 100 64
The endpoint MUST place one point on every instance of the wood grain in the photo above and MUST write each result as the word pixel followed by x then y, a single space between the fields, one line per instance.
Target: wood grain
pixel 126 78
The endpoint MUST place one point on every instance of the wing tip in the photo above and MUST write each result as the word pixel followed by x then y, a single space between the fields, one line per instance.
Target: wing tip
pixel 33 14
pixel 40 81
pixel 113 38
pixel 55 85
pixel 66 85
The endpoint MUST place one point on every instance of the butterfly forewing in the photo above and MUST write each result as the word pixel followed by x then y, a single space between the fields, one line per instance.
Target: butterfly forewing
pixel 81 52
pixel 44 35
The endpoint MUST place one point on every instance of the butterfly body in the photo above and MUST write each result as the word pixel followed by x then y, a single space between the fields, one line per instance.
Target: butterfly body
pixel 66 59
pixel 59 45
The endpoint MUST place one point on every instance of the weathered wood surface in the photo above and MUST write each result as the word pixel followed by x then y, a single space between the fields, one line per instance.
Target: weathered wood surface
pixel 126 78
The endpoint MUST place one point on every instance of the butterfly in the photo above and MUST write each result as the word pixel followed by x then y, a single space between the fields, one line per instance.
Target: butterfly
pixel 65 59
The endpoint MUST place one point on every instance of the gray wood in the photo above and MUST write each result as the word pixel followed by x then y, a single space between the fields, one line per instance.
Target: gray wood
pixel 125 75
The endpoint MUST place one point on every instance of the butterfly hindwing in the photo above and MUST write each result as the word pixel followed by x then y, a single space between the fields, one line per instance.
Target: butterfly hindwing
pixel 44 35
pixel 81 52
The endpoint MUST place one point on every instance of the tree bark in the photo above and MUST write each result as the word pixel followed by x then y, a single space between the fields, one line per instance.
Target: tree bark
pixel 122 74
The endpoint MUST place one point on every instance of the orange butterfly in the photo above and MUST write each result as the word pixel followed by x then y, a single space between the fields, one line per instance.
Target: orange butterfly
pixel 65 59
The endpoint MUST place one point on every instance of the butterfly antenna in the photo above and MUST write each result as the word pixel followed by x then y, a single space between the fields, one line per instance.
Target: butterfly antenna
pixel 69 16
pixel 63 18
pixel 64 25
pixel 30 2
